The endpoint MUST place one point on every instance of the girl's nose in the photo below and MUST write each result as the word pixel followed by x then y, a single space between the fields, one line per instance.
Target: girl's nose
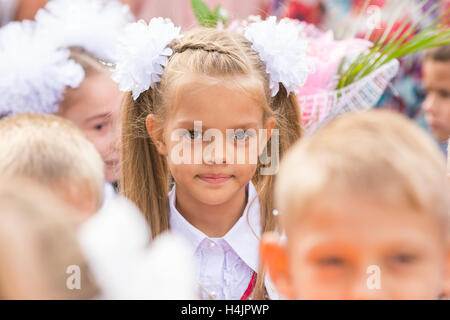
pixel 114 139
pixel 218 151
pixel 214 156
pixel 428 104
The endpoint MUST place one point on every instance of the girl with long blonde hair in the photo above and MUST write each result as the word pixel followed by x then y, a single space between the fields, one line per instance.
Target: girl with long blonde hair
pixel 182 88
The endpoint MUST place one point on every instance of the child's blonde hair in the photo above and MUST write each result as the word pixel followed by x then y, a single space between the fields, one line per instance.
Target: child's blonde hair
pixel 35 223
pixel 51 151
pixel 377 155
pixel 214 54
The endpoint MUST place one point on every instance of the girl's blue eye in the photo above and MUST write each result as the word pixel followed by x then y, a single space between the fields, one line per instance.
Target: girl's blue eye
pixel 241 135
pixel 99 127
pixel 194 135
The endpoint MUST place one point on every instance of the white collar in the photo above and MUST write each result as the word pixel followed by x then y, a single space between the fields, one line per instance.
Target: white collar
pixel 241 236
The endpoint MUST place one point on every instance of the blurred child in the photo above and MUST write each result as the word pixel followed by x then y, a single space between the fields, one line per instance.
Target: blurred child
pixel 95 108
pixel 38 246
pixel 40 257
pixel 89 29
pixel 436 72
pixel 53 152
pixel 73 45
pixel 365 207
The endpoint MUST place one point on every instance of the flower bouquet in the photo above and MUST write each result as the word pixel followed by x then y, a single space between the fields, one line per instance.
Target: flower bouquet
pixel 352 74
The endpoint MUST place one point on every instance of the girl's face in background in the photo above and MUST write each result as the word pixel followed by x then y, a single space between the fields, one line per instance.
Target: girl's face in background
pixel 95 108
pixel 437 102
pixel 217 176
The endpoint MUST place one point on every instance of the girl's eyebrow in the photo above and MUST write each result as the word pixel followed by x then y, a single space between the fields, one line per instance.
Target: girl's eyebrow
pixel 252 124
pixel 98 116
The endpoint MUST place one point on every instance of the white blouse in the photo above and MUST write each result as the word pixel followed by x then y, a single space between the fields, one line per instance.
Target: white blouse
pixel 108 194
pixel 225 265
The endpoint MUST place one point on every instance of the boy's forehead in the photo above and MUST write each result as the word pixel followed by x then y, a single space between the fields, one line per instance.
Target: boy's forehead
pixel 361 219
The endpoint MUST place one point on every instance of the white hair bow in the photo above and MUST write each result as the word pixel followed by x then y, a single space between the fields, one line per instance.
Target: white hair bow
pixel 144 53
pixel 127 265
pixel 93 25
pixel 279 46
pixel 34 74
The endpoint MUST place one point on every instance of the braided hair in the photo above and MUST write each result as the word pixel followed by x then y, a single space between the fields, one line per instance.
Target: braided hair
pixel 213 53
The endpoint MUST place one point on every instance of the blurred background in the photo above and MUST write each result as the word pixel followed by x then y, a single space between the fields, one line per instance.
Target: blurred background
pixel 344 17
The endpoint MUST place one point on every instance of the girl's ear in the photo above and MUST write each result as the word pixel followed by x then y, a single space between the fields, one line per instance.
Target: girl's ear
pixel 154 131
pixel 269 126
pixel 274 257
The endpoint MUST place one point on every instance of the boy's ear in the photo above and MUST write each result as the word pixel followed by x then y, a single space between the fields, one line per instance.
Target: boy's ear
pixel 154 131
pixel 274 257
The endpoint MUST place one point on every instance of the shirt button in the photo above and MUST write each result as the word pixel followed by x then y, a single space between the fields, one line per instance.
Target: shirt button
pixel 211 245
pixel 213 295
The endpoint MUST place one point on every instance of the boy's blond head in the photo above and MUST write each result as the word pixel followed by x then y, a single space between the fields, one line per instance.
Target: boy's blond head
pixel 38 245
pixel 377 156
pixel 51 151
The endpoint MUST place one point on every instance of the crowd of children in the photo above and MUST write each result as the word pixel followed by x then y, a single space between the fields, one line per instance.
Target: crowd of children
pixel 142 161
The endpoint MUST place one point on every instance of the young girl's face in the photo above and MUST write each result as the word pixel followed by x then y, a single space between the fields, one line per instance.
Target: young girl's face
pixel 95 108
pixel 210 172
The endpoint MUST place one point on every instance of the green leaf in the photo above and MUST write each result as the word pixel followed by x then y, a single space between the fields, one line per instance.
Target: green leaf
pixel 219 16
pixel 406 40
pixel 398 39
pixel 203 14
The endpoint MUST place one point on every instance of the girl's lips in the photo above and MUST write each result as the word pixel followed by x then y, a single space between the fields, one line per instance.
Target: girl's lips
pixel 214 178
pixel 434 125
pixel 112 163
